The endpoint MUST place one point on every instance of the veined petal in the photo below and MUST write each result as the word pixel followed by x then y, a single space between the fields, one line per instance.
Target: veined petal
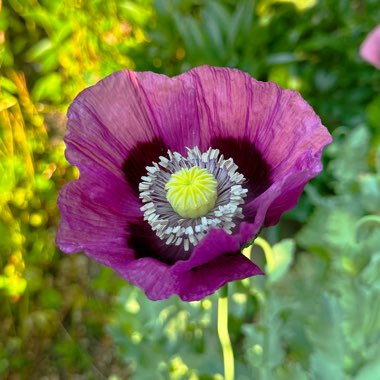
pixel 292 185
pixel 151 275
pixel 214 262
pixel 105 122
pixel 278 123
pixel 124 123
pixel 94 213
pixel 281 196
pixel 206 279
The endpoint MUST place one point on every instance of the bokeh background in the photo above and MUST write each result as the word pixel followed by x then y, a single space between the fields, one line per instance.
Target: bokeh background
pixel 316 315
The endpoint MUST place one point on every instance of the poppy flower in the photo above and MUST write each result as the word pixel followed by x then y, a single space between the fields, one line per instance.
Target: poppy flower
pixel 370 48
pixel 178 174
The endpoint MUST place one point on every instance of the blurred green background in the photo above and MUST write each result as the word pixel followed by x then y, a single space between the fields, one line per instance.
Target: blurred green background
pixel 316 315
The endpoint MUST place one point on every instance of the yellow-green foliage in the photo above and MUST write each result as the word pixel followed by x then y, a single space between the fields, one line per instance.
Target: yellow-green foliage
pixel 49 52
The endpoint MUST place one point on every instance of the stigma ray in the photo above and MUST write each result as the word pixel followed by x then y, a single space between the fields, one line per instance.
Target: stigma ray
pixel 172 228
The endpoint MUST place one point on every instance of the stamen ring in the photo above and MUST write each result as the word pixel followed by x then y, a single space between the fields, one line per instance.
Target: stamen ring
pixel 166 222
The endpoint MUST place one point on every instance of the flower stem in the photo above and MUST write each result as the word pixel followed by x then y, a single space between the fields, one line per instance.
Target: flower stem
pixel 224 337
pixel 265 246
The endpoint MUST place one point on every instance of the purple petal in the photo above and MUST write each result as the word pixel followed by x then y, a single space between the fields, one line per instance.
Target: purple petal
pixel 108 120
pixel 370 48
pixel 173 105
pixel 292 185
pixel 281 196
pixel 94 213
pixel 154 277
pixel 265 129
pixel 214 262
pixel 278 123
pixel 129 119
pixel 216 243
pixel 206 279
pixel 105 122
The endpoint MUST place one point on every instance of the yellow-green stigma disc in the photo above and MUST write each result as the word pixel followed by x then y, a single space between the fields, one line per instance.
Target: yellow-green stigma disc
pixel 192 192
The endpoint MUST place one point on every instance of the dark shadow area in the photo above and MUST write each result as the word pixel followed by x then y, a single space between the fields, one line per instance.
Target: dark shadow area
pixel 250 163
pixel 144 241
pixel 141 156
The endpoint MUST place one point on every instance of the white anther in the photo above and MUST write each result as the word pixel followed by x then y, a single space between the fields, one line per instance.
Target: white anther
pixel 168 225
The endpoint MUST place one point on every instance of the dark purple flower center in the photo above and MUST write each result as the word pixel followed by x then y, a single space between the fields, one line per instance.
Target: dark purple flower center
pixel 140 236
pixel 250 161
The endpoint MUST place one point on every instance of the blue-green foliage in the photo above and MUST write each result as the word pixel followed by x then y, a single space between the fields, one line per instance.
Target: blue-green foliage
pixel 316 315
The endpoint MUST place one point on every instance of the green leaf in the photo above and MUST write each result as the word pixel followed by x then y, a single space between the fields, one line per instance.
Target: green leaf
pixel 292 371
pixel 51 299
pixel 328 228
pixel 39 50
pixel 323 367
pixel 281 259
pixel 48 88
pixel 241 22
pixel 350 158
pixel 340 229
pixel 373 112
pixel 7 179
pixel 325 329
pixel 8 85
pixel 135 12
pixel 7 101
pixel 370 371
pixel 214 26
pixel 281 58
pixel 192 35
pixel 370 192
